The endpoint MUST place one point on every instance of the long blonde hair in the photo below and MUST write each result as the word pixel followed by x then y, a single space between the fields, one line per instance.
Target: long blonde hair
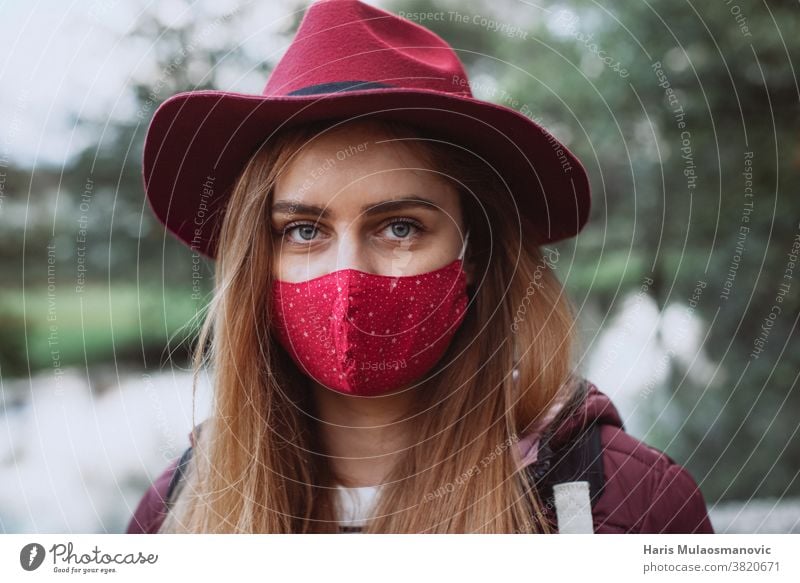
pixel 256 465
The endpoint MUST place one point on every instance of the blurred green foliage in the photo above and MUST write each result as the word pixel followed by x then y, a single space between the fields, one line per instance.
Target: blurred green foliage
pixel 121 323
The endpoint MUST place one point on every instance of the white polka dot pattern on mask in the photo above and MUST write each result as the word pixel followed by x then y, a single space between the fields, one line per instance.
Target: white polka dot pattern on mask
pixel 366 334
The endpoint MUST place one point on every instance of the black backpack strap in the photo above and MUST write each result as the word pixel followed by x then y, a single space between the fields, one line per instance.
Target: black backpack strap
pixel 579 460
pixel 177 476
pixel 180 470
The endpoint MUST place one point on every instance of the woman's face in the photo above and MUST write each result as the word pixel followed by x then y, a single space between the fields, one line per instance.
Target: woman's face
pixel 355 198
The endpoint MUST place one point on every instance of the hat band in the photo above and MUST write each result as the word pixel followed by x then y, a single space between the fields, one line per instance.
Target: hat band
pixel 337 86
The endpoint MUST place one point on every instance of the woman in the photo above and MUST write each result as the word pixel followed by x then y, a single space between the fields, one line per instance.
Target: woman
pixel 391 349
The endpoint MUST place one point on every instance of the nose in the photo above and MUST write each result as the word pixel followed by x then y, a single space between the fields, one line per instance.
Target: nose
pixel 350 253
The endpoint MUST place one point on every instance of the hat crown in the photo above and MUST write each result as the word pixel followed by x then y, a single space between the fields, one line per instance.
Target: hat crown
pixel 347 44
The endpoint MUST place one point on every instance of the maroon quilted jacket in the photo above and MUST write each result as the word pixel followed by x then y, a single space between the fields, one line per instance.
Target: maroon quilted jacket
pixel 644 491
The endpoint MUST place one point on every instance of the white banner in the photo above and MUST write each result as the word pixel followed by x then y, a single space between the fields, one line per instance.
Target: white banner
pixel 406 558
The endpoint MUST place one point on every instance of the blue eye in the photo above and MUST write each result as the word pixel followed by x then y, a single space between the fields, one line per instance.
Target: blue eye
pixel 404 228
pixel 306 230
pixel 400 229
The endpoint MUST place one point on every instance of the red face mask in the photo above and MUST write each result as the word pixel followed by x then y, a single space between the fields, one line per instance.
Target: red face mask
pixel 365 334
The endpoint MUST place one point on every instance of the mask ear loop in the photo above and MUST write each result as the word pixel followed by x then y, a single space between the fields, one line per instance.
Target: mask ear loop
pixel 515 368
pixel 464 245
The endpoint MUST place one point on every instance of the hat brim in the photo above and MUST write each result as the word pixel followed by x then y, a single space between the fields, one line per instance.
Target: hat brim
pixel 198 143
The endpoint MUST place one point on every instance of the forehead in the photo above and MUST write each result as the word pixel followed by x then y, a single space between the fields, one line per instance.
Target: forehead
pixel 357 157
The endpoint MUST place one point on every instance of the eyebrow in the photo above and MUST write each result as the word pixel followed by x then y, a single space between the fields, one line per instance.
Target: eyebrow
pixel 289 207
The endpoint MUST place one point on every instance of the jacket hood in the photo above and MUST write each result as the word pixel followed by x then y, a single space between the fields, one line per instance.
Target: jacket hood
pixel 595 407
pixel 563 423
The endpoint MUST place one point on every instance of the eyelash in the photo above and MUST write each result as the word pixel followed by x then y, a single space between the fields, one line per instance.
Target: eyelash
pixel 402 220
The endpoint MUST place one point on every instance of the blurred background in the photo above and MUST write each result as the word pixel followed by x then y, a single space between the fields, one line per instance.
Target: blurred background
pixel 686 279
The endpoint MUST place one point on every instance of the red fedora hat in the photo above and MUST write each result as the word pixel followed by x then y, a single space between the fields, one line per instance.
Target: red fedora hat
pixel 349 59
